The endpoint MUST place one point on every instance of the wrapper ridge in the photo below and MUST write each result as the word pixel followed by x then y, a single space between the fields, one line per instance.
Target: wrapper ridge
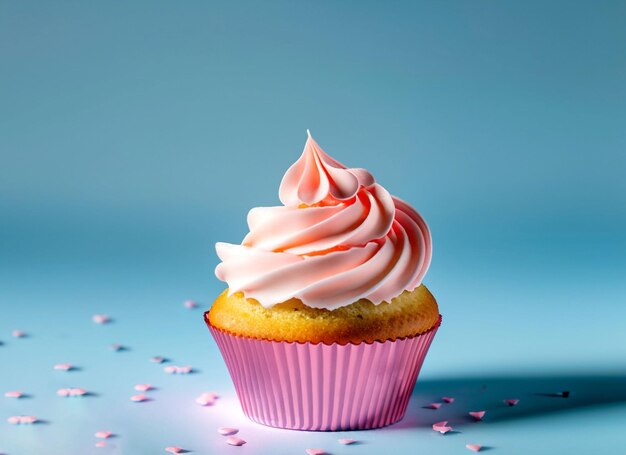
pixel 323 387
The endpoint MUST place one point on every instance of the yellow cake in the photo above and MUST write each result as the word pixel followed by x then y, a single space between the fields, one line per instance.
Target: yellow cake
pixel 408 314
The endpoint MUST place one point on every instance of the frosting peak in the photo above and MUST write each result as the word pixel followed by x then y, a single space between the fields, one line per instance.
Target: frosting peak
pixel 339 237
pixel 316 178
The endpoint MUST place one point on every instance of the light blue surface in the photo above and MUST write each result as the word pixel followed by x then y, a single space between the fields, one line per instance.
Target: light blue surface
pixel 133 136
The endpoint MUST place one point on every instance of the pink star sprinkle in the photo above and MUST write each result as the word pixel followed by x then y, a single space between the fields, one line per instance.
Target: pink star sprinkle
pixel 511 402
pixel 225 431
pixel 474 447
pixel 143 387
pixel 139 398
pixel 173 369
pixel 206 399
pixel 235 441
pixel 442 427
pixel 315 451
pixel 18 334
pixel 190 304
pixel 103 434
pixel 100 318
pixel 157 359
pixel 18 420
pixel 448 399
pixel 478 415
pixel 346 441
pixel 74 392
pixel 173 449
pixel 101 444
pixel 63 366
pixel 202 401
pixel 434 406
pixel 13 394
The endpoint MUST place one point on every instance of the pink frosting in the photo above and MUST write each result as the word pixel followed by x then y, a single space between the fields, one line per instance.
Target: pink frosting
pixel 339 237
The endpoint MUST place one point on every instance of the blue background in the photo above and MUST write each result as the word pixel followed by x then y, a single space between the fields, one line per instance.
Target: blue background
pixel 134 135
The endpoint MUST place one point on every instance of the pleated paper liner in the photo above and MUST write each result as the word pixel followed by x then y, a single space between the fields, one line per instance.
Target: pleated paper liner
pixel 321 387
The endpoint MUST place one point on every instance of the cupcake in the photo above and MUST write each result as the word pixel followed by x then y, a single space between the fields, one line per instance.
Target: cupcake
pixel 325 323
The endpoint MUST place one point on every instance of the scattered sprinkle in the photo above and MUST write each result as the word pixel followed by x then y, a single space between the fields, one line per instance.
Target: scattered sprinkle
pixel 13 394
pixel 173 449
pixel 157 359
pixel 565 394
pixel 64 366
pixel 207 398
pixel 190 304
pixel 19 420
pixel 315 451
pixel 442 427
pixel 346 441
pixel 143 387
pixel 474 447
pixel 101 319
pixel 72 392
pixel 235 441
pixel 100 444
pixel 118 347
pixel 103 434
pixel 226 431
pixel 173 369
pixel 18 334
pixel 433 406
pixel 139 398
pixel 511 401
pixel 478 415
pixel 448 399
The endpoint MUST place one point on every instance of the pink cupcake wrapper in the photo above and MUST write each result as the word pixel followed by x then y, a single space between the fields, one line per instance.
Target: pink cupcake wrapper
pixel 320 387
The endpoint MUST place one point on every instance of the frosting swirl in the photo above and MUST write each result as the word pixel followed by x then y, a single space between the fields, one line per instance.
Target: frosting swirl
pixel 339 237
